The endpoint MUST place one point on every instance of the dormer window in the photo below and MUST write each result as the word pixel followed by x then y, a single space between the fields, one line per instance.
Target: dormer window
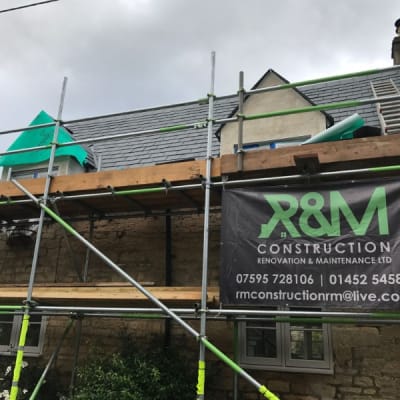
pixel 33 164
pixel 32 173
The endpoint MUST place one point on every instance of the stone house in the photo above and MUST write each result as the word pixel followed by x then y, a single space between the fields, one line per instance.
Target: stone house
pixel 156 236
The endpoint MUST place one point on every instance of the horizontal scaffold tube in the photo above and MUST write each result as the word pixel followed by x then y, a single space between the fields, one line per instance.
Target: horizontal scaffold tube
pixel 107 138
pixel 25 150
pixel 11 307
pixel 11 202
pixel 202 124
pixel 333 315
pixel 320 80
pixel 321 107
pixel 252 91
pixel 194 317
pixel 327 174
pixel 129 192
pixel 28 128
pixel 261 388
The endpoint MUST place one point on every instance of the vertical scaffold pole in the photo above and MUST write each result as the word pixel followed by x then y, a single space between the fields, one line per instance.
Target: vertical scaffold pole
pixel 240 151
pixel 78 336
pixel 25 320
pixel 235 357
pixel 204 283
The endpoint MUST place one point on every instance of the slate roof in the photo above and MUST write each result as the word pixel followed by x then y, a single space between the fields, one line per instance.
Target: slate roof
pixel 153 148
pixel 189 144
pixel 351 89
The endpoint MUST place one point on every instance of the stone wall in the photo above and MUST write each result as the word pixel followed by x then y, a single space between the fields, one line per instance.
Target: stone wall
pixel 366 368
pixel 366 358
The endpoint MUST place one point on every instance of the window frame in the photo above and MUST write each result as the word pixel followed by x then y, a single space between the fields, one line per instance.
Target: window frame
pixel 255 360
pixel 29 351
pixel 283 361
pixel 33 173
pixel 272 144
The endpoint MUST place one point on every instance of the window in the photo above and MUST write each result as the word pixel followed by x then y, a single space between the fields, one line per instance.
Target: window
pixel 32 173
pixel 10 326
pixel 285 346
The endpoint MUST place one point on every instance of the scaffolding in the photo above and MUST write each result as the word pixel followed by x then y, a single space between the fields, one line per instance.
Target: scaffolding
pixel 47 204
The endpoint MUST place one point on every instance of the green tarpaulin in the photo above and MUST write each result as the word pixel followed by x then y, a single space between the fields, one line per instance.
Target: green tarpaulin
pixel 41 137
pixel 340 131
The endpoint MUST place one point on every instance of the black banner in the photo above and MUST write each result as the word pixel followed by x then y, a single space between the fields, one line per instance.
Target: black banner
pixel 327 245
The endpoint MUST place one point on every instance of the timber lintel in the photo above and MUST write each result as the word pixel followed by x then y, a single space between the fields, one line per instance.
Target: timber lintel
pixel 104 294
pixel 153 175
pixel 343 154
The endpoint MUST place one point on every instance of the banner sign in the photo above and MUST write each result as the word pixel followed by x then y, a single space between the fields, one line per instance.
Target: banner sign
pixel 334 244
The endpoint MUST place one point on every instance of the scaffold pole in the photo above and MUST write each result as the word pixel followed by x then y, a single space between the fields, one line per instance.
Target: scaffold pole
pixel 25 320
pixel 206 228
pixel 261 388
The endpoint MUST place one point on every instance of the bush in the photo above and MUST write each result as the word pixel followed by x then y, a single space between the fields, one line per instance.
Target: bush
pixel 30 375
pixel 154 373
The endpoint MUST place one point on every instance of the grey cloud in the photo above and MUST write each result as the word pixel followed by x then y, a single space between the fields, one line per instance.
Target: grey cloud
pixel 127 54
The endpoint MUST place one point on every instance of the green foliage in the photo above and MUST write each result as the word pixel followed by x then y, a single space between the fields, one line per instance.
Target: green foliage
pixel 29 377
pixel 154 373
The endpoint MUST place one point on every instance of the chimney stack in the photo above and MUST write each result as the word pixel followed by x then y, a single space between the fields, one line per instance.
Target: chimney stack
pixel 396 44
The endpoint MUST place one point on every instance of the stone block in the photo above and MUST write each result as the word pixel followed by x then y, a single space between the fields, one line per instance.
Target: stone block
pixel 346 371
pixel 392 368
pixel 387 386
pixel 250 396
pixel 372 366
pixel 298 397
pixel 363 381
pixel 369 391
pixel 325 392
pixel 279 386
pixel 355 336
pixel 349 389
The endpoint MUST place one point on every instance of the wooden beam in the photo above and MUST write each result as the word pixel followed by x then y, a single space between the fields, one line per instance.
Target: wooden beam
pixel 182 172
pixel 103 294
pixel 369 151
pixel 382 150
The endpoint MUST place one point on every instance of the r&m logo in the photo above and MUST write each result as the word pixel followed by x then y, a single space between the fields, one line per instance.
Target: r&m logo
pixel 312 221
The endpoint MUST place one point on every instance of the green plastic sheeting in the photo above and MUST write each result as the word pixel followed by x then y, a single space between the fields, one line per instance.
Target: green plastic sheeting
pixel 342 130
pixel 41 137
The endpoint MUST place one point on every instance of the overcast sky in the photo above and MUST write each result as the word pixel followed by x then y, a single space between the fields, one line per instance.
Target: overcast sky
pixel 121 55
